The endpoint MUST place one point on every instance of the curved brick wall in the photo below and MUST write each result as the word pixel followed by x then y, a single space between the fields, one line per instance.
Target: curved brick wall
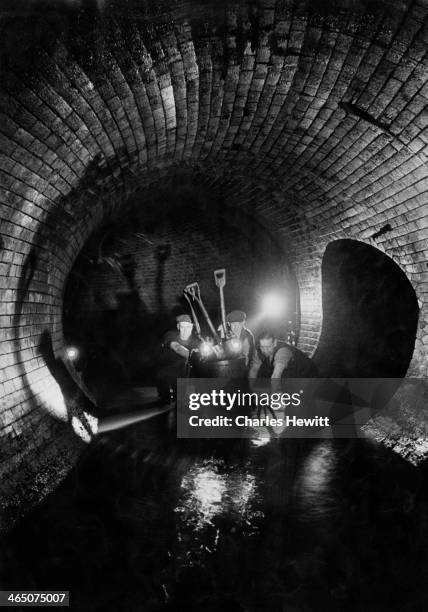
pixel 311 113
pixel 195 245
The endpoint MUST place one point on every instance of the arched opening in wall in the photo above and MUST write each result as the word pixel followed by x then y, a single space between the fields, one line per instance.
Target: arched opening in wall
pixel 370 313
pixel 126 286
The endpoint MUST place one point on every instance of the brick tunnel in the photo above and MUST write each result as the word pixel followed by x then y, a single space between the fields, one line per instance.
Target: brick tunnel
pixel 304 121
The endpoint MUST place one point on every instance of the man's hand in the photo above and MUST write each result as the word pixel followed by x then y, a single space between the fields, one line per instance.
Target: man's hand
pixel 180 349
pixel 252 374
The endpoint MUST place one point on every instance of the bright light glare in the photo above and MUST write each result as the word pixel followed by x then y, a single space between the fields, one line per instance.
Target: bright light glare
pixel 72 353
pixel 210 491
pixel 273 305
pixel 260 441
pixel 205 349
pixel 204 488
pixel 50 397
pixel 85 432
pixel 235 345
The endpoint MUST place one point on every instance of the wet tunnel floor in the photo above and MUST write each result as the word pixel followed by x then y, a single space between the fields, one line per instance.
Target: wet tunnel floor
pixel 147 522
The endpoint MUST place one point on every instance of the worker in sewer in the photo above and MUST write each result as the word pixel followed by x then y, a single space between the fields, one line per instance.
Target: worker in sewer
pixel 236 322
pixel 274 359
pixel 177 347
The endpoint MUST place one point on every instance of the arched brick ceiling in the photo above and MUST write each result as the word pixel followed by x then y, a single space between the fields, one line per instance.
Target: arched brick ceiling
pixel 310 113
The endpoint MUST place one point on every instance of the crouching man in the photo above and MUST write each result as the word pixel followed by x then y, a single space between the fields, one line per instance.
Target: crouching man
pixel 274 359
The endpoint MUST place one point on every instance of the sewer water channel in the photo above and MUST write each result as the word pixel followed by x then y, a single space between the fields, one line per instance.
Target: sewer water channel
pixel 149 522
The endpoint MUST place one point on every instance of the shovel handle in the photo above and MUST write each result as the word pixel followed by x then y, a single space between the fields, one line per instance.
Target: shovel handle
pixel 194 317
pixel 220 281
pixel 194 291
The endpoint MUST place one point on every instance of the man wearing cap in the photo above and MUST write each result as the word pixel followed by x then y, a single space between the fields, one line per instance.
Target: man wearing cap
pixel 177 346
pixel 275 360
pixel 236 320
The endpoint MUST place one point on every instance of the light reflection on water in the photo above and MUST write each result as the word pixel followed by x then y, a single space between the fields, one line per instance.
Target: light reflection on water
pixel 203 489
pixel 314 485
pixel 258 441
pixel 216 498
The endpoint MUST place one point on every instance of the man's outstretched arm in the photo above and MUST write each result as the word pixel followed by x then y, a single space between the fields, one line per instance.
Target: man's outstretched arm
pixel 254 369
pixel 281 361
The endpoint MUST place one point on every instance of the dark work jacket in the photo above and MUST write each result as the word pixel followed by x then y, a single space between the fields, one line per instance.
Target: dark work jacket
pixel 172 360
pixel 299 366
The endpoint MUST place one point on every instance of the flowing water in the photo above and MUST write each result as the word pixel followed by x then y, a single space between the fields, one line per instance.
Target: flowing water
pixel 147 522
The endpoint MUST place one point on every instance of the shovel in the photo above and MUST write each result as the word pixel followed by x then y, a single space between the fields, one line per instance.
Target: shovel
pixel 194 317
pixel 220 281
pixel 194 291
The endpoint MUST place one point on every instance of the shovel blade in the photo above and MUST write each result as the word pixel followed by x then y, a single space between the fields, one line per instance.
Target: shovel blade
pixel 193 289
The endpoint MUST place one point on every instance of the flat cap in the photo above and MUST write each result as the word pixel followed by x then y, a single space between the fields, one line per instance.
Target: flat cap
pixel 183 318
pixel 236 316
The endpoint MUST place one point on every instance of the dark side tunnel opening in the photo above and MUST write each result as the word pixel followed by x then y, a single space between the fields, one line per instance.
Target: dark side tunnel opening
pixel 370 313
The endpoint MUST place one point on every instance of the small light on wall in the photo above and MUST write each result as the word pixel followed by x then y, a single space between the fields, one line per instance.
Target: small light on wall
pixel 72 353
